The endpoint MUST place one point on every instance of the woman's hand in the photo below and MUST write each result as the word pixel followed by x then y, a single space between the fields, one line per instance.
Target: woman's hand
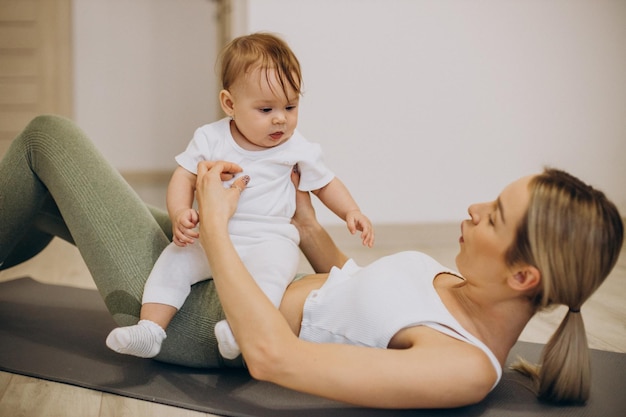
pixel 230 169
pixel 217 204
pixel 305 213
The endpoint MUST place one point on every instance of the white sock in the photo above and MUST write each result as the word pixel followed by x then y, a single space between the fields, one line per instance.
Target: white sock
pixel 143 339
pixel 226 342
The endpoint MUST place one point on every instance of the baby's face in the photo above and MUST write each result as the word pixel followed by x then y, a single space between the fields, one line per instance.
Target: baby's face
pixel 264 117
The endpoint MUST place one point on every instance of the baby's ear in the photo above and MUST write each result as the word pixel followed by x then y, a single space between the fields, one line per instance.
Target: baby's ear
pixel 524 279
pixel 227 103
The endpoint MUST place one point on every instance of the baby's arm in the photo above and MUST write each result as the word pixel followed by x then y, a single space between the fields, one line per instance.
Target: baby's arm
pixel 180 194
pixel 337 198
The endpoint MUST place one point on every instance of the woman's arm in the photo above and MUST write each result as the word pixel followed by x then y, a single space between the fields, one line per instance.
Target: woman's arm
pixel 256 321
pixel 431 370
pixel 434 371
pixel 315 242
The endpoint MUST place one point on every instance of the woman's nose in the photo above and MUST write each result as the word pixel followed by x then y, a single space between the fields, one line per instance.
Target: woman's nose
pixel 474 213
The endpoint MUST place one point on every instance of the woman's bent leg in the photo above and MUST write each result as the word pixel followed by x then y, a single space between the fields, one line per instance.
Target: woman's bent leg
pixel 116 233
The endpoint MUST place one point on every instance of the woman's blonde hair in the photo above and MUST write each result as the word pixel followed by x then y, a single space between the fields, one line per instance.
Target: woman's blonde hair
pixel 573 234
pixel 266 51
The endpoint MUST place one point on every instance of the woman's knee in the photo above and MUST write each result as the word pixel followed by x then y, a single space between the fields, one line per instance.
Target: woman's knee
pixel 51 128
pixel 45 122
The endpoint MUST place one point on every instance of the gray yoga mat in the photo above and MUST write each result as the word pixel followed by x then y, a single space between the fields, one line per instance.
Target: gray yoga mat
pixel 57 333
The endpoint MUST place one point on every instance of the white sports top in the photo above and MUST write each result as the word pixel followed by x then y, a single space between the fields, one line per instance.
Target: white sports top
pixel 368 306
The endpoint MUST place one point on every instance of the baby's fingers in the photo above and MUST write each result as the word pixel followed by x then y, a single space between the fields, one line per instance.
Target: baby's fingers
pixel 185 236
pixel 367 237
pixel 181 240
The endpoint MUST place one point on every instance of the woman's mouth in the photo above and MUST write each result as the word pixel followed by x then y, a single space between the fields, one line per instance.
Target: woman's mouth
pixel 461 240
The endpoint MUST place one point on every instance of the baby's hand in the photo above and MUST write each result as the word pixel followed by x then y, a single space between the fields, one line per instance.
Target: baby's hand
pixel 355 220
pixel 183 227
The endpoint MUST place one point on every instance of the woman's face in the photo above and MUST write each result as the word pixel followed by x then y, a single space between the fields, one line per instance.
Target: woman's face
pixel 490 231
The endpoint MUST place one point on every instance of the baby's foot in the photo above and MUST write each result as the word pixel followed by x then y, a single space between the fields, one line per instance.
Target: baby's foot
pixel 226 342
pixel 143 339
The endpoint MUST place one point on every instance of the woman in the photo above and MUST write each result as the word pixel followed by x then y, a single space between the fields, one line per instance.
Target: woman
pixel 548 239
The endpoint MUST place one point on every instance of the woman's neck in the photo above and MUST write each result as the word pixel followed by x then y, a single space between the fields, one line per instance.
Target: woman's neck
pixel 497 320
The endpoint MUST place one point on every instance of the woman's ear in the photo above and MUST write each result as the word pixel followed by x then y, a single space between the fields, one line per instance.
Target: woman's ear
pixel 227 103
pixel 526 278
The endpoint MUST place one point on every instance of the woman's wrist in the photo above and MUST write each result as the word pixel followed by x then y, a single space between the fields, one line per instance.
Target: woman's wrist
pixel 307 225
pixel 214 228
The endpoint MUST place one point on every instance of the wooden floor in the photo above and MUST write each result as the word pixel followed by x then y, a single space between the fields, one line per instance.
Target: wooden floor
pixel 60 263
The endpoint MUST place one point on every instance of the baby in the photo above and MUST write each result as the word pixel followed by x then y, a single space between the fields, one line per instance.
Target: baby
pixel 262 83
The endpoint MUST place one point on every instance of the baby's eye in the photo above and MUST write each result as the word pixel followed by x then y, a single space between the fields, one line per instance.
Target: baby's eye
pixel 290 108
pixel 491 222
pixel 265 109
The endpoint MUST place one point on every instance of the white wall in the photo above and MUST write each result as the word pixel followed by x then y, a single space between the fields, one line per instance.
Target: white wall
pixel 422 106
pixel 425 106
pixel 144 78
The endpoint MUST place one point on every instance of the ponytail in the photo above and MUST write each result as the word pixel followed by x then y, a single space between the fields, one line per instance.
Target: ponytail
pixel 563 374
pixel 573 234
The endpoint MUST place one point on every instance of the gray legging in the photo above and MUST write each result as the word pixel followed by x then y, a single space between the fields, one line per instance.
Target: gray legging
pixel 54 182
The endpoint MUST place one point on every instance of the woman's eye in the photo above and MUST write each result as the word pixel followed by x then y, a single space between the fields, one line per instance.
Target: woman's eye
pixel 491 222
